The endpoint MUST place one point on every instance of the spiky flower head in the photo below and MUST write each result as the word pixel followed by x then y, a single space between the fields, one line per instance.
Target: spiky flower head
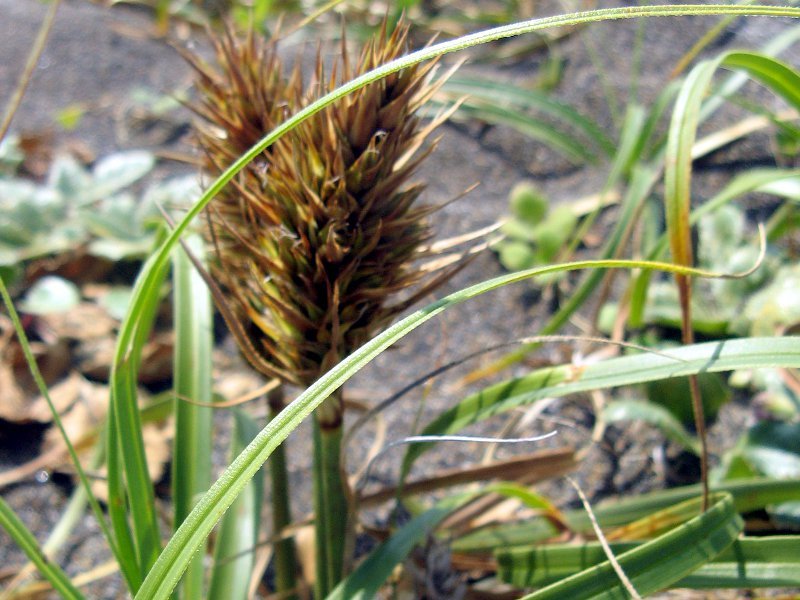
pixel 316 236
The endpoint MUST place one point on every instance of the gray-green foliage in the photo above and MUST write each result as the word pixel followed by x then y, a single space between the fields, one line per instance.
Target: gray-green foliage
pixel 536 232
pixel 77 206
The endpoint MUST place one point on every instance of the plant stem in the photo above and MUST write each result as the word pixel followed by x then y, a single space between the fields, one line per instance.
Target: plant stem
pixel 191 464
pixel 330 502
pixel 687 334
pixel 285 557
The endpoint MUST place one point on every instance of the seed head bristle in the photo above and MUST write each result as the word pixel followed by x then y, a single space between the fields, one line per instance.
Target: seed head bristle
pixel 316 236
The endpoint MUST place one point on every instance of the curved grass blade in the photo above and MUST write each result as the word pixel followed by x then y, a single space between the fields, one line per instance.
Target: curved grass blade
pixel 773 74
pixel 770 72
pixel 654 414
pixel 191 534
pixel 25 540
pixel 748 495
pixel 123 554
pixel 660 563
pixel 164 575
pixel 627 370
pixel 504 93
pixel 234 553
pixel 371 574
pixel 775 47
pixel 756 180
pixel 748 563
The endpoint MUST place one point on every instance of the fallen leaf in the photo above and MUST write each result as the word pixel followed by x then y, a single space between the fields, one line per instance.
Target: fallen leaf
pixel 20 401
pixel 64 394
pixel 93 358
pixel 86 320
pixel 85 416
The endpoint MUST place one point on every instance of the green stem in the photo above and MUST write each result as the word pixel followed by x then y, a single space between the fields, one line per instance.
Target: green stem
pixel 330 502
pixel 285 556
pixel 191 463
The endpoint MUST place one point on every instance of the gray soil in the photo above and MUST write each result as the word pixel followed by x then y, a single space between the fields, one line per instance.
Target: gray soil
pixel 97 56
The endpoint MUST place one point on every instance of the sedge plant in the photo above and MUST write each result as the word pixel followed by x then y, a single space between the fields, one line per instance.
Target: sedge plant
pixel 317 236
pixel 153 573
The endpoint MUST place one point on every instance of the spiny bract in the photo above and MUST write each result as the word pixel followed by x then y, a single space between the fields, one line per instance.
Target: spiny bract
pixel 314 237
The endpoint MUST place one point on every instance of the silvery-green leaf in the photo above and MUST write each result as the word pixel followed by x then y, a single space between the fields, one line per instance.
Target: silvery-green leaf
pixel 114 218
pixel 118 171
pixel 721 233
pixel 50 295
pixel 116 301
pixel 777 305
pixel 14 192
pixel 118 249
pixel 788 188
pixel 175 191
pixel 69 179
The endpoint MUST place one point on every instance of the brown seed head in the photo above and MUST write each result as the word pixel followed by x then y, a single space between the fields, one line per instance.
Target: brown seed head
pixel 316 235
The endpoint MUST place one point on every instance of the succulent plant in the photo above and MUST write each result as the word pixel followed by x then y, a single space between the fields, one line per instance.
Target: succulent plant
pixel 76 206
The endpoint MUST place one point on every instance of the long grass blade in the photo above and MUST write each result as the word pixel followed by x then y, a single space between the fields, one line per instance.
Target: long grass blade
pixel 130 488
pixel 566 379
pixel 660 563
pixel 748 563
pixel 163 577
pixel 234 553
pixel 24 538
pixel 748 495
pixel 751 563
pixel 119 552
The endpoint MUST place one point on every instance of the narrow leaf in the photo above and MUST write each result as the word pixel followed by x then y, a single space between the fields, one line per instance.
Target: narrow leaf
pixel 654 414
pixel 561 380
pixel 25 540
pixel 660 563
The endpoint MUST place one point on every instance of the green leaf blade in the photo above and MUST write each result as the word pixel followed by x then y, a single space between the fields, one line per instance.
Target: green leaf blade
pixel 660 563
